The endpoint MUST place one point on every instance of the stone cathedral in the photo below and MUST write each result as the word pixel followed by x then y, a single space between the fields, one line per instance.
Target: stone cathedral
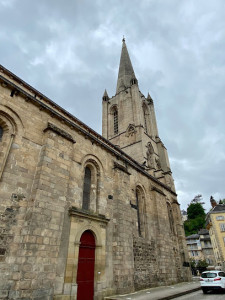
pixel 85 216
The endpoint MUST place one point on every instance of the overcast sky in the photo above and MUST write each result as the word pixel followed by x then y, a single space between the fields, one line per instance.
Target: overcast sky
pixel 69 50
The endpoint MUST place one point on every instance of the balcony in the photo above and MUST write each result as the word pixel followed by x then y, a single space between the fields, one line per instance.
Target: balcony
pixel 192 242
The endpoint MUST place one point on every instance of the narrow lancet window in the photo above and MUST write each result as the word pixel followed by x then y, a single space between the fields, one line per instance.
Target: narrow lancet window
pixel 86 189
pixel 138 211
pixel 140 207
pixel 170 214
pixel 115 119
pixel 1 133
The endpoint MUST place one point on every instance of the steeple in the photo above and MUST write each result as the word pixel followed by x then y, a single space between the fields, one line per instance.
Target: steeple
pixel 126 75
pixel 105 96
pixel 129 121
pixel 149 99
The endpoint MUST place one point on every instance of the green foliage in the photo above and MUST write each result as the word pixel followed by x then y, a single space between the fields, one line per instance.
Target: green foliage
pixel 194 210
pixel 192 263
pixel 192 226
pixel 202 264
pixel 222 201
pixel 196 216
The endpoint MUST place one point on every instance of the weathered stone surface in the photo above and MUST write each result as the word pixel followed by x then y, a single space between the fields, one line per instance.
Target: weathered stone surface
pixel 138 243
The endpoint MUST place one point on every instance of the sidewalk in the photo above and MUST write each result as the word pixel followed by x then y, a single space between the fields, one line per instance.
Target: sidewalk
pixel 162 292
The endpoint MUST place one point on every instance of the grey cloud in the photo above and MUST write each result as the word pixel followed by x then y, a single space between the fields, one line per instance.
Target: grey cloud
pixel 70 51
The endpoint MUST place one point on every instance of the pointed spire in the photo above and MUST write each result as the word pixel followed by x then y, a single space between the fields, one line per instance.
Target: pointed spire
pixel 149 98
pixel 126 76
pixel 105 96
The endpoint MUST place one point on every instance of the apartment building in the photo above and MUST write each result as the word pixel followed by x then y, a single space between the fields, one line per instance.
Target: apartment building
pixel 215 222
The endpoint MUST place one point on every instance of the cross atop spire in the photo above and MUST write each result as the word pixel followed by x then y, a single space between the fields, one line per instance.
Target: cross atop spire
pixel 126 73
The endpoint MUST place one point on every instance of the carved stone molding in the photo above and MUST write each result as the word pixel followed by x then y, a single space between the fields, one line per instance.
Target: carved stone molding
pixel 158 190
pixel 75 212
pixel 60 131
pixel 121 168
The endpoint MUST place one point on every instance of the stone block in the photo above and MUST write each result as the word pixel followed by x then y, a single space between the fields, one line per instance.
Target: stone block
pixel 67 288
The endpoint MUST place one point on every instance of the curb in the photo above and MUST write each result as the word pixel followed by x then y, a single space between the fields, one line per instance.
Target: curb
pixel 179 294
pixel 167 297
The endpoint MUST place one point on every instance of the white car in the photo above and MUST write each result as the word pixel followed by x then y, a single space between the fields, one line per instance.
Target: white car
pixel 212 280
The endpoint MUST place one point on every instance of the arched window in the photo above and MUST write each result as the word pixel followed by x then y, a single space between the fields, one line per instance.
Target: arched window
pixel 86 189
pixel 138 200
pixel 115 120
pixel 140 205
pixel 1 133
pixel 170 214
pixel 7 134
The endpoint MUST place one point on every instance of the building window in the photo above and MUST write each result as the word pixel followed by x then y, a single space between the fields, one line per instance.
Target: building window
pixel 138 212
pixel 194 253
pixel 170 215
pixel 140 207
pixel 220 218
pixel 86 189
pixel 222 227
pixel 115 121
pixel 1 133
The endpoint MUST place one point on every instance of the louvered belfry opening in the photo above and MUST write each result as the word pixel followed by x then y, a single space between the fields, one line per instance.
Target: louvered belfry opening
pixel 115 119
pixel 145 117
pixel 86 189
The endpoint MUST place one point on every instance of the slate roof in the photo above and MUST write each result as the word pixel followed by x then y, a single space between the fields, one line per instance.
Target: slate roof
pixel 193 236
pixel 217 208
pixel 203 232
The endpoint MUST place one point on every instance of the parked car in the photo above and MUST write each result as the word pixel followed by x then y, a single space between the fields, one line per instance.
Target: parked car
pixel 212 280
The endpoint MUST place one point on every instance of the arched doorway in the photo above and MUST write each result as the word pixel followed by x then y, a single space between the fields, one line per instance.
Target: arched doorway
pixel 86 264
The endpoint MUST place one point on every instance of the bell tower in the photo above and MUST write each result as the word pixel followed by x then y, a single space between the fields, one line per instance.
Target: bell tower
pixel 129 122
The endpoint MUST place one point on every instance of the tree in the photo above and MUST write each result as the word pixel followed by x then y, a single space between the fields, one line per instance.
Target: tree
pixel 196 216
pixel 197 199
pixel 222 201
pixel 192 263
pixel 202 264
pixel 194 210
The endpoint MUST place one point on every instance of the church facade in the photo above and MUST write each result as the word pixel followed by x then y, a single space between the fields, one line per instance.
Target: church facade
pixel 85 216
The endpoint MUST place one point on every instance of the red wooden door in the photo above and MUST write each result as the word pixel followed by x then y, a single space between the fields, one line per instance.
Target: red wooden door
pixel 86 264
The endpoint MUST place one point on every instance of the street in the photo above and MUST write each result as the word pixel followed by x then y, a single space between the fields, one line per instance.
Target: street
pixel 200 296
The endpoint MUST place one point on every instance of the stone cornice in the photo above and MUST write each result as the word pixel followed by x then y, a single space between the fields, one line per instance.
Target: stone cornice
pixel 75 212
pixel 60 131
pixel 158 190
pixel 121 168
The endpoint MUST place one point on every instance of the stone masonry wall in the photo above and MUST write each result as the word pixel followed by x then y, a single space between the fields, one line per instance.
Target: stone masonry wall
pixel 145 263
pixel 42 179
pixel 122 234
